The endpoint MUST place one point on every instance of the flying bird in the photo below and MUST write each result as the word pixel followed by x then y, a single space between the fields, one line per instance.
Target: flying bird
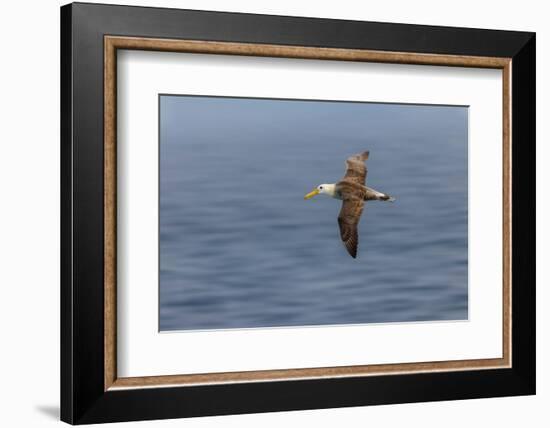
pixel 352 191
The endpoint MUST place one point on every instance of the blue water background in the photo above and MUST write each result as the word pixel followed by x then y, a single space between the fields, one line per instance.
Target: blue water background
pixel 240 247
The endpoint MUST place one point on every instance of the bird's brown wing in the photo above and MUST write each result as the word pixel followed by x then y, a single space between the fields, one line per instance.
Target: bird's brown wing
pixel 356 170
pixel 348 219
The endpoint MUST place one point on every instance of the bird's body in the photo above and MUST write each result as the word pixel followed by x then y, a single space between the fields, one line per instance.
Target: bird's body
pixel 369 194
pixel 351 189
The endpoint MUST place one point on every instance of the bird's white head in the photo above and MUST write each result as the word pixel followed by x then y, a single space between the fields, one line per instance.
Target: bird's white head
pixel 322 189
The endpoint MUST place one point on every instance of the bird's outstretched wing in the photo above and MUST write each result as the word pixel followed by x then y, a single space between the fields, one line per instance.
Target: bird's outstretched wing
pixel 356 170
pixel 348 219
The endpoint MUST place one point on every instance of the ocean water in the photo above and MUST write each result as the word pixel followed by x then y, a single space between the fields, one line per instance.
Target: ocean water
pixel 241 248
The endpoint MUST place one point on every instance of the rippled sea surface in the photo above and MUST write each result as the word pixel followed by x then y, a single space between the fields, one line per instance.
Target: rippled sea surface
pixel 241 248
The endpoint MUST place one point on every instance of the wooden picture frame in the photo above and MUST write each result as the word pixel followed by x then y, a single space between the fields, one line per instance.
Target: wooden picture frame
pixel 91 390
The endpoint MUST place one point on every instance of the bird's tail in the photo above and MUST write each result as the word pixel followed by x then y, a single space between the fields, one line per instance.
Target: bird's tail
pixel 379 196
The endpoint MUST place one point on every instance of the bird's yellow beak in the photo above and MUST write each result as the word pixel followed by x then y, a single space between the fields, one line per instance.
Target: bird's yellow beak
pixel 312 194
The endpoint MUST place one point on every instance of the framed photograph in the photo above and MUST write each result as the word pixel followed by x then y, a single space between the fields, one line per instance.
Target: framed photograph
pixel 265 213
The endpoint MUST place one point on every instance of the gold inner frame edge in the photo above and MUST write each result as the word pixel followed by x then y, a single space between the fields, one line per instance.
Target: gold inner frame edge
pixel 113 43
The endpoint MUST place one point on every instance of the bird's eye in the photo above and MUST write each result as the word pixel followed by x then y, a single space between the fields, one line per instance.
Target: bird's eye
pixel 321 187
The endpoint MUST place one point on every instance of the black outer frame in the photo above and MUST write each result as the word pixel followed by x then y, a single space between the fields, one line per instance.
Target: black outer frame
pixel 83 399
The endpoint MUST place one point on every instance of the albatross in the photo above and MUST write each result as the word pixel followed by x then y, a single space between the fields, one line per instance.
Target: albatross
pixel 352 191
